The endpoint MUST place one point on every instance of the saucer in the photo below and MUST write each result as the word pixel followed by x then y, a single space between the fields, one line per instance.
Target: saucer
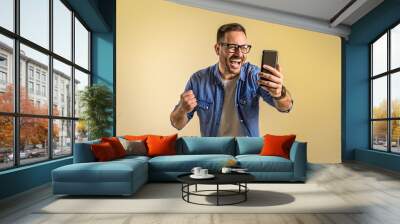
pixel 208 176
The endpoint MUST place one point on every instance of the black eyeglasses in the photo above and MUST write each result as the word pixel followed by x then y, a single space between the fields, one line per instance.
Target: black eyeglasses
pixel 245 48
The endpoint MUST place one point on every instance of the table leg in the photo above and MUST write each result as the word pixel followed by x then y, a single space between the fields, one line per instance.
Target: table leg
pixel 217 194
pixel 245 191
pixel 196 188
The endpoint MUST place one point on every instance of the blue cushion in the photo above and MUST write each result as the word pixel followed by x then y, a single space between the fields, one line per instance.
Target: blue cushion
pixel 207 145
pixel 257 163
pixel 133 157
pixel 111 171
pixel 249 145
pixel 83 153
pixel 184 163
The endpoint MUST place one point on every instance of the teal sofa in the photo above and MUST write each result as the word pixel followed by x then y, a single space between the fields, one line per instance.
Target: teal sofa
pixel 125 176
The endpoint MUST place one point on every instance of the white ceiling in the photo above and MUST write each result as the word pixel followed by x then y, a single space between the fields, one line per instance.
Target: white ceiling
pixel 319 9
pixel 315 15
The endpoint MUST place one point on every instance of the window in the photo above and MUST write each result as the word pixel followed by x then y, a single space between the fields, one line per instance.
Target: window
pixel 3 78
pixel 43 77
pixel 30 87
pixel 43 90
pixel 62 29
pixel 30 72
pixel 385 91
pixel 81 45
pixel 62 74
pixel 7 14
pixel 6 89
pixel 45 131
pixel 3 61
pixel 38 74
pixel 3 72
pixel 37 89
pixel 34 21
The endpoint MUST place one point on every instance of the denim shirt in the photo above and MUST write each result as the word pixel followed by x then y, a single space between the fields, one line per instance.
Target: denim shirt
pixel 208 89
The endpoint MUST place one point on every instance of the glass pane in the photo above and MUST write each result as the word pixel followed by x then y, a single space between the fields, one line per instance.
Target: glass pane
pixel 379 100
pixel 62 29
pixel 7 14
pixel 33 139
pixel 81 45
pixel 35 21
pixel 379 135
pixel 395 94
pixel 379 55
pixel 62 89
pixel 395 47
pixel 6 142
pixel 81 81
pixel 81 131
pixel 34 97
pixel 62 138
pixel 395 136
pixel 6 74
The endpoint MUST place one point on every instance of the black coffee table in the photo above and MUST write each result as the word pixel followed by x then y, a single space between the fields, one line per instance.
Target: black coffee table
pixel 239 179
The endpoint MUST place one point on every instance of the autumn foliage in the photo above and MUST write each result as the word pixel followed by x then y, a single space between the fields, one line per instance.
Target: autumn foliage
pixel 33 131
pixel 380 127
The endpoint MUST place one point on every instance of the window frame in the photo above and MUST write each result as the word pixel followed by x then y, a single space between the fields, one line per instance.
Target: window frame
pixel 16 114
pixel 388 74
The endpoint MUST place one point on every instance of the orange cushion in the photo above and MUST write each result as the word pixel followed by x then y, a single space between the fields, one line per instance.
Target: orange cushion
pixel 103 152
pixel 161 145
pixel 116 145
pixel 277 145
pixel 136 137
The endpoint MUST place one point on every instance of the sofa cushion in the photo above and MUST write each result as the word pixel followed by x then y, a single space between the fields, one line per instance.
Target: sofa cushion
pixel 207 145
pixel 249 145
pixel 161 145
pixel 83 152
pixel 185 163
pixel 275 145
pixel 103 152
pixel 112 171
pixel 116 145
pixel 257 163
pixel 131 158
pixel 134 147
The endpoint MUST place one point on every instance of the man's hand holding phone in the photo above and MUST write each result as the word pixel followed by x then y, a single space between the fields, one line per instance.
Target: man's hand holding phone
pixel 188 101
pixel 272 81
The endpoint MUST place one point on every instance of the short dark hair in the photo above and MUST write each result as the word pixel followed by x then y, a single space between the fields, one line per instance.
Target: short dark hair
pixel 228 28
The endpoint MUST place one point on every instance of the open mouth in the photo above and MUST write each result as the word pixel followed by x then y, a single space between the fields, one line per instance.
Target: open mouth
pixel 235 63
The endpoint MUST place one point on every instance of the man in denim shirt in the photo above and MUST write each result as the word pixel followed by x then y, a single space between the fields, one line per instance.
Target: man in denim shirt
pixel 226 95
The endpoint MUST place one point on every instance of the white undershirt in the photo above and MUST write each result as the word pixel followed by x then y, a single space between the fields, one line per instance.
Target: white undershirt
pixel 230 123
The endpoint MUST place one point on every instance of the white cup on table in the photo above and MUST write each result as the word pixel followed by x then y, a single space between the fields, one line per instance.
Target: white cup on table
pixel 203 172
pixel 196 170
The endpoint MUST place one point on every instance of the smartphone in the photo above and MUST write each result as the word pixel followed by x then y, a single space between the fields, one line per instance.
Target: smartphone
pixel 269 57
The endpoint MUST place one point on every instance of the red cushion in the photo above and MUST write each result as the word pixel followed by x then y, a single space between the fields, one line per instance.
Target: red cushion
pixel 136 137
pixel 277 145
pixel 116 145
pixel 103 151
pixel 161 145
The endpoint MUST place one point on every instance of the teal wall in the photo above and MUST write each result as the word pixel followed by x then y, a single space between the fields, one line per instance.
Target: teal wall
pixel 24 178
pixel 356 85
pixel 103 64
pixel 99 15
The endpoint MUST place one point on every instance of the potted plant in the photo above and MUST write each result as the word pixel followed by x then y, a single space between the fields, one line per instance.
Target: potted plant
pixel 96 103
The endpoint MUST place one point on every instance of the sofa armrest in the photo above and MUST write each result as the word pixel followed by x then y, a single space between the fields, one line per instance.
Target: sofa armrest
pixel 83 152
pixel 298 155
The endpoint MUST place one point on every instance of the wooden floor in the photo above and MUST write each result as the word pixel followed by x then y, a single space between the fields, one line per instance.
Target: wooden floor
pixel 354 182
